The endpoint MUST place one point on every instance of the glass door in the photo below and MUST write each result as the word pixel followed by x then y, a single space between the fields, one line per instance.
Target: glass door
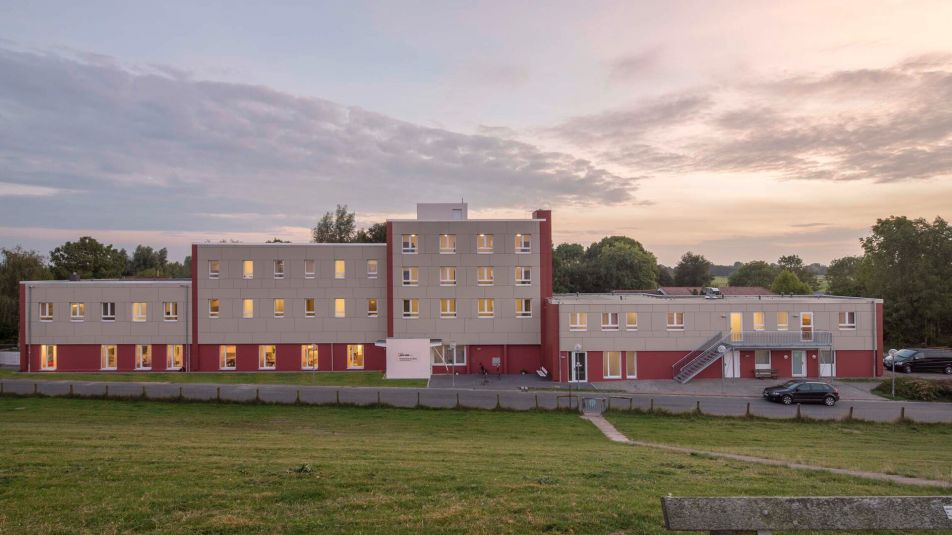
pixel 799 363
pixel 737 326
pixel 577 371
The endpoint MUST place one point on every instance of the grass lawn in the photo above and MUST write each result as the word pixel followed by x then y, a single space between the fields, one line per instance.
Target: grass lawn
pixel 923 450
pixel 352 378
pixel 95 466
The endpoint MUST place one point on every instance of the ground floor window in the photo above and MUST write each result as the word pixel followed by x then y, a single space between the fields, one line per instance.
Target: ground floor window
pixel 309 357
pixel 109 357
pixel 762 359
pixel 448 355
pixel 612 364
pixel 267 357
pixel 355 357
pixel 143 357
pixel 48 357
pixel 631 364
pixel 174 357
pixel 227 357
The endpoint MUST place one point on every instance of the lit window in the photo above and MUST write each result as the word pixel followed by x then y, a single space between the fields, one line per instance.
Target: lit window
pixel 355 357
pixel 371 269
pixel 411 308
pixel 309 357
pixel 46 311
pixel 227 357
pixel 170 311
pixel 631 321
pixel 523 308
pixel 783 321
pixel 279 269
pixel 143 357
pixel 485 276
pixel 248 269
pixel 578 321
pixel 340 269
pixel 372 308
pixel 847 320
pixel 609 321
pixel 248 308
pixel 174 357
pixel 77 311
pixel 310 310
pixel 485 308
pixel 108 357
pixel 631 364
pixel 409 243
pixel 108 311
pixel 448 355
pixel 279 308
pixel 760 322
pixel 447 276
pixel 310 269
pixel 447 243
pixel 484 243
pixel 411 276
pixel 214 269
pixel 448 308
pixel 523 276
pixel 214 307
pixel 612 364
pixel 675 321
pixel 340 308
pixel 48 357
pixel 267 357
pixel 523 243
pixel 140 311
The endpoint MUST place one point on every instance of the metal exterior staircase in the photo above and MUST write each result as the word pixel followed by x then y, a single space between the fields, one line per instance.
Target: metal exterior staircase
pixel 694 362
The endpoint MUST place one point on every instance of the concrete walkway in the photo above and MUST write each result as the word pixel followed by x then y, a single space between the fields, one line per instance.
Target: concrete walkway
pixel 615 435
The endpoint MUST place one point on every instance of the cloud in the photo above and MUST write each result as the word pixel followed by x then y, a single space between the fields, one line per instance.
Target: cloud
pixel 25 190
pixel 634 65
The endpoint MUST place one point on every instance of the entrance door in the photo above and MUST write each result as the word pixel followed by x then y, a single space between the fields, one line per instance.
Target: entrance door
pixel 577 369
pixel 732 365
pixel 827 363
pixel 737 326
pixel 799 363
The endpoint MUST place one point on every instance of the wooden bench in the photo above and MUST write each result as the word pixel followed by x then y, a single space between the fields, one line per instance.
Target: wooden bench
pixel 723 515
pixel 770 373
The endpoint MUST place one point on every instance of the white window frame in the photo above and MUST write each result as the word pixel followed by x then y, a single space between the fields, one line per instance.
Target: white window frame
pixel 410 276
pixel 444 276
pixel 310 268
pixel 523 308
pixel 631 325
pixel 409 243
pixel 486 308
pixel 523 276
pixel 216 272
pixel 759 320
pixel 578 321
pixel 77 311
pixel 312 313
pixel 170 311
pixel 140 356
pixel 610 321
pixel 279 268
pixel 262 352
pixel 411 309
pixel 45 351
pixel 222 357
pixel 170 350
pixel 485 243
pixel 631 371
pixel 481 280
pixel 675 321
pixel 212 313
pixel 247 269
pixel 606 364
pixel 783 325
pixel 103 360
pixel 373 312
pixel 447 243
pixel 758 365
pixel 140 311
pixel 279 313
pixel 107 310
pixel 246 311
pixel 372 273
pixel 340 269
pixel 843 320
pixel 445 351
pixel 341 311
pixel 523 243
pixel 448 308
pixel 352 350
pixel 307 351
pixel 46 311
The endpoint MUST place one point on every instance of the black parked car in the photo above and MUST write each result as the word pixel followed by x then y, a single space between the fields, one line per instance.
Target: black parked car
pixel 937 360
pixel 801 391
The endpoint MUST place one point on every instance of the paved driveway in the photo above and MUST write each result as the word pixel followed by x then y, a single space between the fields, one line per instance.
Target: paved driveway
pixel 749 388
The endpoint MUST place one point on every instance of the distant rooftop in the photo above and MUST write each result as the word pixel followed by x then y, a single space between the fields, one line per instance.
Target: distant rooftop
pixel 649 297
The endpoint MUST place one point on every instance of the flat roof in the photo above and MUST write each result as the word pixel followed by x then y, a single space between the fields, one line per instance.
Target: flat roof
pixel 465 220
pixel 637 298
pixel 348 244
pixel 163 282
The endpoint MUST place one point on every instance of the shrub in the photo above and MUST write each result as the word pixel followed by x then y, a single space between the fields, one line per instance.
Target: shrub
pixel 918 389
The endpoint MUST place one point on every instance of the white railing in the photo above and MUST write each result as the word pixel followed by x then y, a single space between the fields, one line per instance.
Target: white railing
pixel 781 339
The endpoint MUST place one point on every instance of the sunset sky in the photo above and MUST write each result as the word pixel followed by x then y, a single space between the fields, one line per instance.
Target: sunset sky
pixel 739 130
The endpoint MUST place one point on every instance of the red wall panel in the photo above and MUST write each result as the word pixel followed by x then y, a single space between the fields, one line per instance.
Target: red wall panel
pixel 527 358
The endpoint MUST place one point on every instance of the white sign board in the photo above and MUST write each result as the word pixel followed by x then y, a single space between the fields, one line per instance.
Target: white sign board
pixel 408 358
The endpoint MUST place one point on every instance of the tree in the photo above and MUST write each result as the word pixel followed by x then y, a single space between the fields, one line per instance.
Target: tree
pixel 665 276
pixel 87 258
pixel 147 262
pixel 335 227
pixel 277 240
pixel 844 275
pixel 788 283
pixel 693 270
pixel 17 264
pixel 756 273
pixel 619 263
pixel 795 264
pixel 376 233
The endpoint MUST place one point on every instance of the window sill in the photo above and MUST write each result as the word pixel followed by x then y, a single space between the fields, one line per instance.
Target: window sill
pixel 109 320
pixel 442 317
pixel 675 329
pixel 170 320
pixel 578 329
pixel 76 320
pixel 610 329
pixel 485 317
pixel 634 330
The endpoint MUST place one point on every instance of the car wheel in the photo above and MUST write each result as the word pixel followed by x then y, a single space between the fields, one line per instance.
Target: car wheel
pixel 907 369
pixel 829 401
pixel 787 400
pixel 948 370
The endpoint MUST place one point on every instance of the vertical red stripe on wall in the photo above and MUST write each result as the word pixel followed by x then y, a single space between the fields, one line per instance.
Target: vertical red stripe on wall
pixel 21 338
pixel 549 315
pixel 389 279
pixel 880 348
pixel 193 354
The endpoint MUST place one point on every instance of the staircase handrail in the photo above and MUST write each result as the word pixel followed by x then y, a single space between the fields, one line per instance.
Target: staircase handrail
pixel 704 348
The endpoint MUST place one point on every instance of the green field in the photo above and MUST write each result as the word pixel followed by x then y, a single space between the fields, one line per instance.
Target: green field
pixel 95 466
pixel 920 450
pixel 352 378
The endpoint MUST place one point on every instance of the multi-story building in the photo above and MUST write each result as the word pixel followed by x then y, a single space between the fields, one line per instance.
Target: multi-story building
pixel 445 293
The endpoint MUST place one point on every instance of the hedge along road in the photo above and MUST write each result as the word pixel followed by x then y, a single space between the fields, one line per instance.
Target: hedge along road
pixel 444 398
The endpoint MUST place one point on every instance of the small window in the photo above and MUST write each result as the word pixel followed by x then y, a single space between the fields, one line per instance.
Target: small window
pixel 372 311
pixel 447 276
pixel 447 243
pixel 760 322
pixel 485 276
pixel 310 308
pixel 578 321
pixel 309 356
pixel 631 321
pixel 227 357
pixel 279 269
pixel 523 243
pixel 279 308
pixel 108 357
pixel 248 269
pixel 371 269
pixel 612 364
pixel 762 359
pixel 355 357
pixel 411 308
pixel 411 276
pixel 340 269
pixel 170 311
pixel 310 269
pixel 214 308
pixel 108 311
pixel 448 308
pixel 631 364
pixel 675 321
pixel 484 243
pixel 409 243
pixel 485 308
pixel 140 311
pixel 609 321
pixel 783 321
pixel 847 320
pixel 523 276
pixel 46 311
pixel 77 311
pixel 48 357
pixel 340 308
pixel 523 308
pixel 448 355
pixel 214 269
pixel 143 357
pixel 248 308
pixel 174 357
pixel 267 357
